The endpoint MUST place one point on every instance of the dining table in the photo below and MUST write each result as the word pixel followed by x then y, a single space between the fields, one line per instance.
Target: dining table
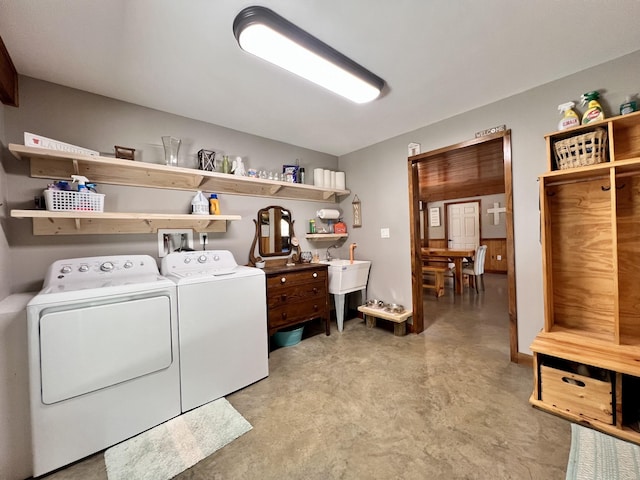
pixel 453 255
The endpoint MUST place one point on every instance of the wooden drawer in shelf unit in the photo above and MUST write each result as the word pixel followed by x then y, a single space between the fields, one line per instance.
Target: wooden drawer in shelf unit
pixel 581 395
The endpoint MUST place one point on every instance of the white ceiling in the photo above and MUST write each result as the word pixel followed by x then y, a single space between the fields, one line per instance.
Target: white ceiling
pixel 438 57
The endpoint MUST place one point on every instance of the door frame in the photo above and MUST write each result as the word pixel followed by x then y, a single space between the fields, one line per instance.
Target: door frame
pixel 416 242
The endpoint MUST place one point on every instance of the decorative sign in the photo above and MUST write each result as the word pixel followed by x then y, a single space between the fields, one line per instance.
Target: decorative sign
pixel 414 149
pixel 434 217
pixel 490 131
pixel 357 212
pixel 496 211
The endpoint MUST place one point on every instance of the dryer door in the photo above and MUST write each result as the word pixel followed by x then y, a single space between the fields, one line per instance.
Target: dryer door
pixel 86 348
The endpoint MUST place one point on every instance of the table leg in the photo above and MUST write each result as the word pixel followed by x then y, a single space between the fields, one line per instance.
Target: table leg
pixel 458 277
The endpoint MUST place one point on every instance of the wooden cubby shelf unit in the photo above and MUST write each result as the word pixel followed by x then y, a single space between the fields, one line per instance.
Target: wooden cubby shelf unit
pixel 590 221
pixel 53 164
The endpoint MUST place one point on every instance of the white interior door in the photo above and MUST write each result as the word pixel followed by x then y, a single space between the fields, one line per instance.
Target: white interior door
pixel 464 225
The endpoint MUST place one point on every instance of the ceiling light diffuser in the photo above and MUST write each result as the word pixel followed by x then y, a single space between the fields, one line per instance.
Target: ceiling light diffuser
pixel 266 34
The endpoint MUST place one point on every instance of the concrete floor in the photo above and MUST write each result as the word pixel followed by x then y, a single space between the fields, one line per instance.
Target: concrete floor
pixel 364 404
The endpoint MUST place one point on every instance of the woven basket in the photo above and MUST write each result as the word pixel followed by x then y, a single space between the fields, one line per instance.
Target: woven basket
pixel 586 149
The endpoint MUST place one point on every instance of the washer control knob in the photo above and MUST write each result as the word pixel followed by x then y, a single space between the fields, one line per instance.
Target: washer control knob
pixel 187 259
pixel 216 258
pixel 65 269
pixel 106 267
pixel 83 268
pixel 202 258
pixel 128 264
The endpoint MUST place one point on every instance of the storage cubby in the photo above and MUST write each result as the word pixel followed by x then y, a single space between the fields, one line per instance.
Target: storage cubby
pixel 590 234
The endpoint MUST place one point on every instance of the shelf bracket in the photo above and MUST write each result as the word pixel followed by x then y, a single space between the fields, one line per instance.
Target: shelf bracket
pixel 76 170
pixel 328 195
pixel 275 189
pixel 77 222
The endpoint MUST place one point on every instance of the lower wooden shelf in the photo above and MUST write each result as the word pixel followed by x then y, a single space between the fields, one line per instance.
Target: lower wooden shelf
pixel 623 433
pixel 47 222
pixel 325 236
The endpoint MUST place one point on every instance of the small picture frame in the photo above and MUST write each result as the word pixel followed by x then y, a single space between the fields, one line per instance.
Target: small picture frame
pixel 434 217
pixel 206 160
pixel 357 212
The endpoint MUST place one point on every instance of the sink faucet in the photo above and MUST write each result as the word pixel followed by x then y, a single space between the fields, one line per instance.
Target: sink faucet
pixel 351 248
pixel 329 257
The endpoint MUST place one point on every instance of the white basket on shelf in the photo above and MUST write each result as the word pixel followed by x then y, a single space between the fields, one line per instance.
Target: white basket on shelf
pixel 66 201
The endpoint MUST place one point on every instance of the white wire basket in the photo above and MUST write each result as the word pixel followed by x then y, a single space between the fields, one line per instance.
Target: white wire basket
pixel 66 201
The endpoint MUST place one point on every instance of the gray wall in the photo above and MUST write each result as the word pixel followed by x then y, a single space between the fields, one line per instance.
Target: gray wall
pixel 379 176
pixel 99 123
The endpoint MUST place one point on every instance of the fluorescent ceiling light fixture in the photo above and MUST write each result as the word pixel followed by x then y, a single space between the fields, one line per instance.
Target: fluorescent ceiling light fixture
pixel 266 34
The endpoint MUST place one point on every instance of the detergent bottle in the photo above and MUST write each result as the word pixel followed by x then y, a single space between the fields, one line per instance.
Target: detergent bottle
pixel 594 111
pixel 569 116
pixel 214 204
pixel 81 181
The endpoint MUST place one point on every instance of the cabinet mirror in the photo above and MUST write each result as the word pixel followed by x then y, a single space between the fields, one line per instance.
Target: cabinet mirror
pixel 274 234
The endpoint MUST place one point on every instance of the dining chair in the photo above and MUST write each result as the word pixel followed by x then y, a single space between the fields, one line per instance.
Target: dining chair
pixel 475 269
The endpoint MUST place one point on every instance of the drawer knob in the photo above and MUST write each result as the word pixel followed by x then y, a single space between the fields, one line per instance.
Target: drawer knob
pixel 315 290
pixel 283 279
pixel 284 315
pixel 315 274
pixel 315 308
pixel 283 297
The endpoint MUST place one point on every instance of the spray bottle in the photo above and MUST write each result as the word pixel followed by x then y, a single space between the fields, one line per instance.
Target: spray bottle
pixel 81 181
pixel 594 111
pixel 569 116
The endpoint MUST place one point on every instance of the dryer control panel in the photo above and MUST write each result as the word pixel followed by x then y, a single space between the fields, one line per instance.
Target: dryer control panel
pixel 206 262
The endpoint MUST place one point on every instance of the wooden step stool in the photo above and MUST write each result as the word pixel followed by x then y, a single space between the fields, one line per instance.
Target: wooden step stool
pixel 400 319
pixel 439 275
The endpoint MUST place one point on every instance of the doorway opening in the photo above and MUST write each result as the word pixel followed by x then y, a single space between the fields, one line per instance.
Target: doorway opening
pixel 474 168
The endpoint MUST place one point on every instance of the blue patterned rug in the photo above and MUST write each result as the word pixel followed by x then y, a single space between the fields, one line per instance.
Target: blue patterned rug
pixel 597 456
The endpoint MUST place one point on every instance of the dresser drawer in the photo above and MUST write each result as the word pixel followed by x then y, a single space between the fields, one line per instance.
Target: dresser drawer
pixel 280 296
pixel 286 280
pixel 297 312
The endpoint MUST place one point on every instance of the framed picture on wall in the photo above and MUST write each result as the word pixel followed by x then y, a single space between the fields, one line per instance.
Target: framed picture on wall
pixel 434 217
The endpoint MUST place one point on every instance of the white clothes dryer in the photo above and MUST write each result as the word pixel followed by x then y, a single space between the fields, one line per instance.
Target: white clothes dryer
pixel 222 318
pixel 103 356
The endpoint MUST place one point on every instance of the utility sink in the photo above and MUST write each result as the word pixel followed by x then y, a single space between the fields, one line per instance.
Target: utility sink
pixel 346 277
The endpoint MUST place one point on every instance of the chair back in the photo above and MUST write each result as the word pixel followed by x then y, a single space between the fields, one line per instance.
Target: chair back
pixel 478 261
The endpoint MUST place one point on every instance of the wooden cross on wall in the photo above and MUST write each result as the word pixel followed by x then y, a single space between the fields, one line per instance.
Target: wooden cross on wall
pixel 496 211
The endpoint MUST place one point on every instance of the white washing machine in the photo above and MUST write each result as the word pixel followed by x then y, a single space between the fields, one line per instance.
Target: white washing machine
pixel 103 356
pixel 222 318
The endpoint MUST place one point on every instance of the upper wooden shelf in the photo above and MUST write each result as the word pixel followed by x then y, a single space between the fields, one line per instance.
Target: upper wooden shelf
pixel 54 164
pixel 47 222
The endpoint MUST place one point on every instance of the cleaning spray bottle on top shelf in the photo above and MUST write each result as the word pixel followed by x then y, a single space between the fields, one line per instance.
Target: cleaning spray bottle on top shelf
pixel 81 181
pixel 594 111
pixel 629 106
pixel 569 116
pixel 199 204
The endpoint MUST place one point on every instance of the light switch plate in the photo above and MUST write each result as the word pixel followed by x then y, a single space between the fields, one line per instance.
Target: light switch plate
pixel 384 233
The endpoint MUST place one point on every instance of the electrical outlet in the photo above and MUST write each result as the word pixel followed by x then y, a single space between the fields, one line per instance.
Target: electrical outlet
pixel 171 239
pixel 204 238
pixel 384 233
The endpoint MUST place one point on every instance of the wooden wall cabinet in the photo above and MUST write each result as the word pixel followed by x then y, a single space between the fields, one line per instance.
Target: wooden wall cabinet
pixel 590 221
pixel 297 294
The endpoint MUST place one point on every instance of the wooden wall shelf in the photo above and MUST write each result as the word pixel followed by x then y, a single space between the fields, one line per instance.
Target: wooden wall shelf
pixel 53 164
pixel 325 236
pixel 90 223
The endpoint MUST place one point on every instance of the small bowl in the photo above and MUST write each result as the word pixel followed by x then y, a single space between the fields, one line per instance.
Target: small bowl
pixel 394 308
pixel 260 264
pixel 375 303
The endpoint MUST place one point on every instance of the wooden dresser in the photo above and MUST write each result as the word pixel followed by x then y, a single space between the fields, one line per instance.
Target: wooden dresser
pixel 297 294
